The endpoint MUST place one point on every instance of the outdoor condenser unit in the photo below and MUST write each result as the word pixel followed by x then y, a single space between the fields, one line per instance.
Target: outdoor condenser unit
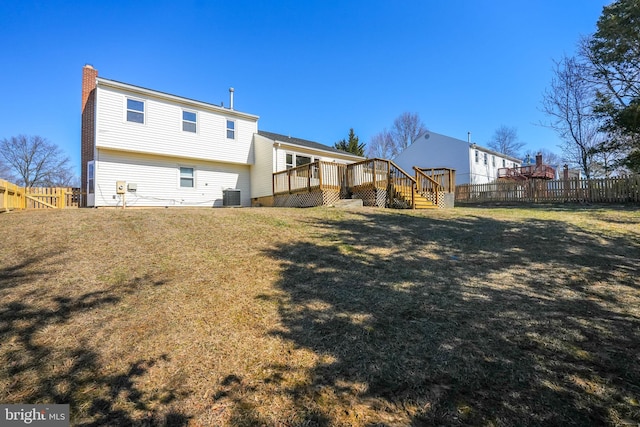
pixel 231 197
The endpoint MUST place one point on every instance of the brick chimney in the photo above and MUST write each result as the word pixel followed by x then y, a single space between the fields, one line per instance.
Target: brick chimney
pixel 88 127
pixel 539 159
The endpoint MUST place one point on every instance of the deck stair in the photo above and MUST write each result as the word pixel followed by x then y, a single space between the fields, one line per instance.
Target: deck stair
pixel 402 198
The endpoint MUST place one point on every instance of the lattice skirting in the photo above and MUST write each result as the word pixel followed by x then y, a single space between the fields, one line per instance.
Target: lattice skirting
pixel 306 200
pixel 432 198
pixel 371 197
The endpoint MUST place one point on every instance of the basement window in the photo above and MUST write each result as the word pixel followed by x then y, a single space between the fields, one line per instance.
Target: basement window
pixel 135 111
pixel 189 121
pixel 186 177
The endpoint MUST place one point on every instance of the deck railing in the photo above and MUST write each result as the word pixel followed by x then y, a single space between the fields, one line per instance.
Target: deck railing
pixel 427 185
pixel 445 177
pixel 317 175
pixel 365 176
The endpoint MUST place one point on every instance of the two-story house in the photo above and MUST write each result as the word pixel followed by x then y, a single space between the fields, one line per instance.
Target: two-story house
pixel 143 147
pixel 473 164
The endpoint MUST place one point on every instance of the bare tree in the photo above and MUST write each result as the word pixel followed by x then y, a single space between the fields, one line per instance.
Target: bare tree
pixel 406 128
pixel 381 145
pixel 36 161
pixel 505 140
pixel 568 103
pixel 5 172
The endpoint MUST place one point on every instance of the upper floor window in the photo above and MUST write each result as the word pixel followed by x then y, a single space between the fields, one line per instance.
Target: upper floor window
pixel 186 177
pixel 486 157
pixel 493 161
pixel 189 121
pixel 231 129
pixel 504 163
pixel 135 111
pixel 477 156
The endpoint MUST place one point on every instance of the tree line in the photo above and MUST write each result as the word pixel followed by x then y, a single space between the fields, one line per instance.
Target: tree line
pixel 593 101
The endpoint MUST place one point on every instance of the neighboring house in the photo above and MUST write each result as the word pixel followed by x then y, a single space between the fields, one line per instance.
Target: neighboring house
pixel 143 147
pixel 473 164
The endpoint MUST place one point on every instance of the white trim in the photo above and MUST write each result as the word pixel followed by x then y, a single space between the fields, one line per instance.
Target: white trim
pixel 185 101
pixel 329 153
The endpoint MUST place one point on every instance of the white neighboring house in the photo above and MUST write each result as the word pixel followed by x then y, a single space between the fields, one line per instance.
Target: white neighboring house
pixel 473 164
pixel 167 150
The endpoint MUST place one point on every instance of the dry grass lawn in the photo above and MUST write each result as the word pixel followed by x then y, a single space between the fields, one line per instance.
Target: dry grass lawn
pixel 323 317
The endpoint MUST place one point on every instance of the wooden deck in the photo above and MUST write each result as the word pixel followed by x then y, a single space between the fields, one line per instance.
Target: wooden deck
pixel 377 182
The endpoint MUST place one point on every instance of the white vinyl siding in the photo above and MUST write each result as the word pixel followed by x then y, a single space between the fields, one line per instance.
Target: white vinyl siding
pixel 263 168
pixel 156 180
pixel 163 134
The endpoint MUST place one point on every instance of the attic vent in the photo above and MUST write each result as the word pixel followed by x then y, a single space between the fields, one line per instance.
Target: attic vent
pixel 231 197
pixel 426 136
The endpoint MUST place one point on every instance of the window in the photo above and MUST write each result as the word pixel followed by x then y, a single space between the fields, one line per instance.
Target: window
pixel 493 161
pixel 504 163
pixel 477 156
pixel 231 129
pixel 302 160
pixel 189 121
pixel 289 161
pixel 90 177
pixel 186 177
pixel 135 111
pixel 486 158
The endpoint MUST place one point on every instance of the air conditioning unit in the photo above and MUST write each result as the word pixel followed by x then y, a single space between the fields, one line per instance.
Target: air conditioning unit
pixel 231 197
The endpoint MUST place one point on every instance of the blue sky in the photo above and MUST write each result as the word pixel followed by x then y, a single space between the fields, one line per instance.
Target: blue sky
pixel 310 69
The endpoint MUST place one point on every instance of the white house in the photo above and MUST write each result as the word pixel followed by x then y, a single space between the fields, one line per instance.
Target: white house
pixel 143 147
pixel 473 164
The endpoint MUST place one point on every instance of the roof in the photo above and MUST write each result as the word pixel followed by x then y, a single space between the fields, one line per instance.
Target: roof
pixel 304 143
pixel 473 145
pixel 175 98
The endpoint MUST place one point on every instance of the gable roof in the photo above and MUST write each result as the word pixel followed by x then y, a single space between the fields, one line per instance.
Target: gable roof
pixel 472 145
pixel 304 143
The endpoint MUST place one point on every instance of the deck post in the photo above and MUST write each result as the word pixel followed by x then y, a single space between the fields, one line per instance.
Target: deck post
pixel 320 174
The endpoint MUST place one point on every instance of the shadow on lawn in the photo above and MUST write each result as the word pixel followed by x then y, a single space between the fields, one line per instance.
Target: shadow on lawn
pixel 48 373
pixel 462 321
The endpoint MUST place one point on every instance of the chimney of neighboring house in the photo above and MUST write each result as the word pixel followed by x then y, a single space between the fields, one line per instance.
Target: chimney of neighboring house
pixel 231 98
pixel 539 159
pixel 88 125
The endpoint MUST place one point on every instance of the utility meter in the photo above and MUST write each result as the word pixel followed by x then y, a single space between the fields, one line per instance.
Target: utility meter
pixel 120 187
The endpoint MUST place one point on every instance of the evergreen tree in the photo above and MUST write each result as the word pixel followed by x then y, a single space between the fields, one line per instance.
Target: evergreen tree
pixel 352 145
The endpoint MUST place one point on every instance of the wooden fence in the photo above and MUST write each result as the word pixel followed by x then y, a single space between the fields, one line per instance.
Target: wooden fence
pixel 624 189
pixel 13 196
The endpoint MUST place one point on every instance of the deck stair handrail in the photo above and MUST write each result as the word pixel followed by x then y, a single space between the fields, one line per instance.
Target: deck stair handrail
pixel 427 185
pixel 382 174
